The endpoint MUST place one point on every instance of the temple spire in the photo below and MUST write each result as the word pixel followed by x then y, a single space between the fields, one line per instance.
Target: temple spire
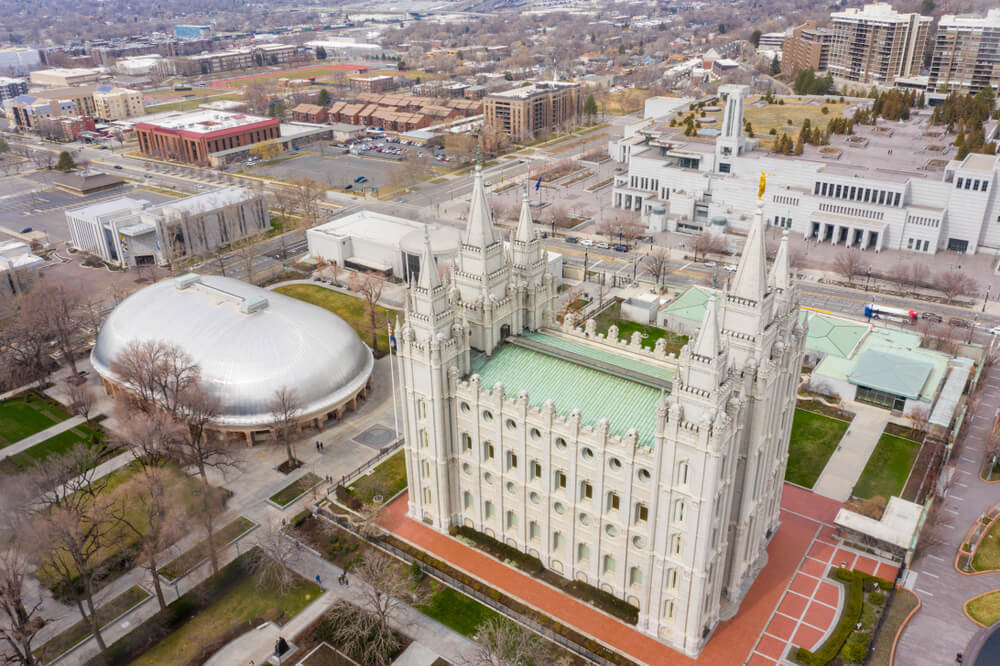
pixel 750 281
pixel 525 225
pixel 707 342
pixel 429 278
pixel 480 231
pixel 780 277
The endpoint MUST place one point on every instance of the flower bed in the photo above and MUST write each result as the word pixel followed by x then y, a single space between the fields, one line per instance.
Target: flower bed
pixel 295 490
pixel 191 558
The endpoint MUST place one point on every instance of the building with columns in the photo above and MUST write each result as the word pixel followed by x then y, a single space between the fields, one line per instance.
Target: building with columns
pixel 656 478
pixel 894 185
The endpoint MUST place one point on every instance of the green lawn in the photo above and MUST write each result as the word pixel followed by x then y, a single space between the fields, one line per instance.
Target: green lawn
pixel 242 604
pixel 61 443
pixel 191 558
pixel 25 416
pixel 626 328
pixel 105 614
pixel 814 439
pixel 987 555
pixel 286 495
pixel 386 480
pixel 351 309
pixel 985 609
pixel 456 611
pixel 887 468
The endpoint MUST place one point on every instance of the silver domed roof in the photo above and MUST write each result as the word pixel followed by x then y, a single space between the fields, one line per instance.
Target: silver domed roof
pixel 247 340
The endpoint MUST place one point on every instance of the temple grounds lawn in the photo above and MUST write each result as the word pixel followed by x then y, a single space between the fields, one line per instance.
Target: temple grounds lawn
pixel 814 439
pixel 985 609
pixel 887 468
pixel 287 495
pixel 387 479
pixel 987 557
pixel 23 417
pixel 58 444
pixel 456 611
pixel 351 309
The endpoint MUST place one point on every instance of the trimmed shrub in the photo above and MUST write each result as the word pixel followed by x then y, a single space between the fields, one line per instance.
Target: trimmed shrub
pixel 876 598
pixel 300 517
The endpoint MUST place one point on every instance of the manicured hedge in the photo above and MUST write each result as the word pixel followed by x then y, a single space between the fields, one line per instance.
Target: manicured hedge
pixel 499 550
pixel 144 637
pixel 855 582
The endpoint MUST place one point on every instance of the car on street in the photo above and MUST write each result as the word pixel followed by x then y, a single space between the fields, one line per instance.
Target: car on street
pixel 932 316
pixel 709 264
pixel 360 179
pixel 118 166
pixel 572 239
pixel 959 322
pixel 995 330
pixel 730 267
pixel 26 230
pixel 587 242
pixel 604 246
pixel 621 248
pixel 349 186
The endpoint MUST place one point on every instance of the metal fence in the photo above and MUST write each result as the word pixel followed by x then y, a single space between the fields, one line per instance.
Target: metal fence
pixel 358 471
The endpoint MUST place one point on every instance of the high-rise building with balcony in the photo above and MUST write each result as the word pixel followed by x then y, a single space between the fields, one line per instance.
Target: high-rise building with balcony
pixel 533 110
pixel 876 44
pixel 966 53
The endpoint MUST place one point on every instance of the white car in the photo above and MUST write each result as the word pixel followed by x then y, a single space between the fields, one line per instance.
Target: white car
pixel 604 246
pixel 709 264
pixel 587 242
pixel 995 330
pixel 730 267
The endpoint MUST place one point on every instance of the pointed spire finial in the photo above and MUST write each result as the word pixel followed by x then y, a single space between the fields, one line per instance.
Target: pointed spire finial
pixel 707 343
pixel 750 281
pixel 780 276
pixel 525 225
pixel 480 231
pixel 429 278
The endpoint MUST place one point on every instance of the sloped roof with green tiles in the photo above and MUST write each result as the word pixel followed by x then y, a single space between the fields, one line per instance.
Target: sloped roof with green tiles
pixel 625 404
pixel 605 356
pixel 892 373
pixel 691 304
pixel 833 335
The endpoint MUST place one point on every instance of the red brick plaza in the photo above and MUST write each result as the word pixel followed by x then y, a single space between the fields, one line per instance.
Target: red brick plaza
pixel 791 602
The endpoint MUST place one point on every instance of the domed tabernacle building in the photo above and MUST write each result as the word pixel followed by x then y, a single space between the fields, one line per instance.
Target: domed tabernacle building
pixel 249 342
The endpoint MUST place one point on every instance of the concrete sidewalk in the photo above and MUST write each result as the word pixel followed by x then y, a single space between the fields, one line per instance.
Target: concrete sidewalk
pixel 848 461
pixel 40 437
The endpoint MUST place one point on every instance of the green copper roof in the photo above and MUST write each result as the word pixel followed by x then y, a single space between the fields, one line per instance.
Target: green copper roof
pixel 691 304
pixel 625 404
pixel 602 355
pixel 833 335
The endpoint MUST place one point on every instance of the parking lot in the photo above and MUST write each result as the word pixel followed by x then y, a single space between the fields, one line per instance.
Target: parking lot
pixel 331 171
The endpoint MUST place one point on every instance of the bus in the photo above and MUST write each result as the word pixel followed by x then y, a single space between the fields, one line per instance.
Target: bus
pixel 901 315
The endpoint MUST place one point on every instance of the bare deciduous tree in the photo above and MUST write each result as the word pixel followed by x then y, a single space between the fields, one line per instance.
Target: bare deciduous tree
pixel 81 397
pixel 285 408
pixel 656 262
pixel 20 619
pixel 157 374
pixel 211 504
pixel 849 264
pixel 153 511
pixel 919 419
pixel 151 437
pixel 388 589
pixel 955 283
pixel 370 288
pixel 275 560
pixel 62 314
pixel 707 242
pixel 500 642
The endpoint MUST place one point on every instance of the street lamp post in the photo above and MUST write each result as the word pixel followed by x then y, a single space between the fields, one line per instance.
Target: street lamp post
pixel 987 296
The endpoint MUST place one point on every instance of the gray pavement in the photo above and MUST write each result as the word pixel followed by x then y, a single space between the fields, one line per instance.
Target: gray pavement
pixel 40 437
pixel 940 629
pixel 849 459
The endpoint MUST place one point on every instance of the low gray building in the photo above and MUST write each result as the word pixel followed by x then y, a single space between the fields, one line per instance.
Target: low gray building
pixel 134 232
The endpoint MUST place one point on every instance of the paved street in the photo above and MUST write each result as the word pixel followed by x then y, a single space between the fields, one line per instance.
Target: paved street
pixel 940 629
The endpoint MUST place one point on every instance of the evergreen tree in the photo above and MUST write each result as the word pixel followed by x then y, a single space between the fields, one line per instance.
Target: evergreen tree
pixel 590 109
pixel 65 162
pixel 320 53
pixel 755 38
pixel 324 97
pixel 775 66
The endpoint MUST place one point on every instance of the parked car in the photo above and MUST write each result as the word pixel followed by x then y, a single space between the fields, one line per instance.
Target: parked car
pixel 572 239
pixel 730 267
pixel 26 230
pixel 621 248
pixel 995 330
pixel 118 166
pixel 932 317
pixel 959 322
pixel 604 246
pixel 359 179
pixel 587 242
pixel 709 264
pixel 348 187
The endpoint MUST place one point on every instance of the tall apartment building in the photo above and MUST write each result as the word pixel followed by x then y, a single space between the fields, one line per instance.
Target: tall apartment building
pixel 113 103
pixel 540 108
pixel 808 47
pixel 11 88
pixel 966 53
pixel 876 44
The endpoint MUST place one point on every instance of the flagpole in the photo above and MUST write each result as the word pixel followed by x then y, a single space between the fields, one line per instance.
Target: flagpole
pixel 392 377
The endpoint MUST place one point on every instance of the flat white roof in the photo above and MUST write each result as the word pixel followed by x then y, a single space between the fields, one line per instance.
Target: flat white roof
pixel 206 201
pixel 369 225
pixel 897 525
pixel 205 121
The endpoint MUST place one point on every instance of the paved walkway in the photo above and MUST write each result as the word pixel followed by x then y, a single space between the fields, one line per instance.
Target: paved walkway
pixel 942 590
pixel 734 641
pixel 848 461
pixel 40 437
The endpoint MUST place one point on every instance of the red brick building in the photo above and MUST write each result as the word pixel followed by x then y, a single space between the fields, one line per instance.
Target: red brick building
pixel 310 113
pixel 192 137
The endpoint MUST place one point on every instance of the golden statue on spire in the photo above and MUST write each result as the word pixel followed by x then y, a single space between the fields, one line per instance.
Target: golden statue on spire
pixel 762 186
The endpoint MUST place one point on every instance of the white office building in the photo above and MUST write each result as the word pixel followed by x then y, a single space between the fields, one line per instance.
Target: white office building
pixel 134 232
pixel 895 185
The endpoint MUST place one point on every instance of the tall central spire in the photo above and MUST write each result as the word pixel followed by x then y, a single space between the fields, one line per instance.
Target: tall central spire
pixel 750 281
pixel 525 225
pixel 480 231
pixel 429 278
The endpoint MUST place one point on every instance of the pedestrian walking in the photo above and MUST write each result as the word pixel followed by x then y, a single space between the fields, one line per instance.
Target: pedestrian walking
pixel 317 580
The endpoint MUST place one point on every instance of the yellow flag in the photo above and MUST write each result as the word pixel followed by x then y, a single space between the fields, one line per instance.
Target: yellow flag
pixel 763 184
